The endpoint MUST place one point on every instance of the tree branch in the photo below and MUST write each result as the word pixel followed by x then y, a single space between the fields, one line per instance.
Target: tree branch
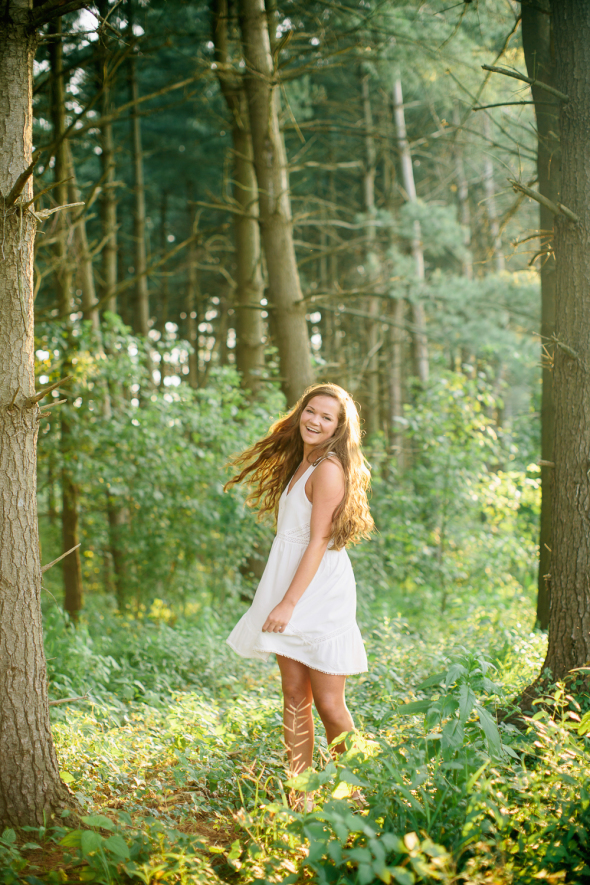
pixel 530 80
pixel 83 697
pixel 31 400
pixel 59 558
pixel 556 208
pixel 53 9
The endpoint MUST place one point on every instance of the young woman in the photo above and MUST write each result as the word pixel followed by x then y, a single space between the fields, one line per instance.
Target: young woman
pixel 310 473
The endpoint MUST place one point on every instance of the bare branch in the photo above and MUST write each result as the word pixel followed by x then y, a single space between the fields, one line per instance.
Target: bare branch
pixel 59 558
pixel 19 184
pixel 31 400
pixel 83 697
pixel 53 9
pixel 556 208
pixel 45 213
pixel 56 402
pixel 530 80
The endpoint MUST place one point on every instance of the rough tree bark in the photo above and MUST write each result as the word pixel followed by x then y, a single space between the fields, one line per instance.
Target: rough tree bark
pixel 419 319
pixel 30 786
pixel 276 224
pixel 249 284
pixel 569 617
pixel 540 60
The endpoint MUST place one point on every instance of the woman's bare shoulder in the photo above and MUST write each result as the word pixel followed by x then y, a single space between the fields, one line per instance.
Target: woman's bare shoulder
pixel 330 471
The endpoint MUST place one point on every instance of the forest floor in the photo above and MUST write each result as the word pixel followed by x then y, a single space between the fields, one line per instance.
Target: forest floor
pixel 175 760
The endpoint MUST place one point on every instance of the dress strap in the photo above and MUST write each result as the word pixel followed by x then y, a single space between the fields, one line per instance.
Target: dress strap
pixel 323 458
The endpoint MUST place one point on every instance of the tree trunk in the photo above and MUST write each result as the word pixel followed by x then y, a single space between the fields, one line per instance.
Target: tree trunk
pixel 490 192
pixel 540 59
pixel 141 313
pixel 462 197
pixel 30 786
pixel 108 200
pixel 63 274
pixel 569 617
pixel 373 423
pixel 270 162
pixel 418 317
pixel 249 289
pixel 70 533
pixel 83 255
pixel 71 565
pixel 192 307
pixel 396 404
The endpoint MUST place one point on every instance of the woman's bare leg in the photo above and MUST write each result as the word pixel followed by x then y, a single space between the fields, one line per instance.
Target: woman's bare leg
pixel 297 713
pixel 328 695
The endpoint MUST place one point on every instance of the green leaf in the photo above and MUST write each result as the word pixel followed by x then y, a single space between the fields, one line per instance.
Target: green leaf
pixel 90 842
pixel 8 837
pixel 71 839
pixel 467 701
pixel 117 845
pixel 98 820
pixel 436 679
pixel 414 707
pixel 401 875
pixel 490 729
pixel 66 777
pixel 345 775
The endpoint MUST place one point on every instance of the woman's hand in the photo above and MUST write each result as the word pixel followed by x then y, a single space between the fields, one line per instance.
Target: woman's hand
pixel 278 618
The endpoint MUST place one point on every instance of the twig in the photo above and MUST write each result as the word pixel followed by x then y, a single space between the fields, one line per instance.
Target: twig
pixel 13 400
pixel 31 400
pixel 530 80
pixel 506 104
pixel 19 184
pixel 83 697
pixel 67 553
pixel 45 213
pixel 556 208
pixel 44 191
pixel 56 402
pixel 546 463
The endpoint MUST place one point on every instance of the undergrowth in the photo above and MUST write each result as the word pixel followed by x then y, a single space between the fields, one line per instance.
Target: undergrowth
pixel 174 757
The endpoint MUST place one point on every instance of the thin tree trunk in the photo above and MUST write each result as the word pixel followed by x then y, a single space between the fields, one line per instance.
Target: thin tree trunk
pixel 108 200
pixel 462 197
pixel 63 274
pixel 540 59
pixel 141 313
pixel 270 161
pixel 84 258
pixel 418 316
pixel 569 617
pixel 373 422
pixel 490 192
pixel 30 786
pixel 71 565
pixel 396 404
pixel 249 284
pixel 191 306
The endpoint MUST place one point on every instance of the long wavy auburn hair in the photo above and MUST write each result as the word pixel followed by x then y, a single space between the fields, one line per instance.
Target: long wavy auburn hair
pixel 269 465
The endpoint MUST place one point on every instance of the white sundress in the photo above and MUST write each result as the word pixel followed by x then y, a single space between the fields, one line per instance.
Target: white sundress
pixel 322 632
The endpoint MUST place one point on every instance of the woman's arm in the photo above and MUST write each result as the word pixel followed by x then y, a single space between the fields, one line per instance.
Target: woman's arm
pixel 327 490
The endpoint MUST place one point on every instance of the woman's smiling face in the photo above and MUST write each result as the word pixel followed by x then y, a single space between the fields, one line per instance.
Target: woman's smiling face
pixel 319 420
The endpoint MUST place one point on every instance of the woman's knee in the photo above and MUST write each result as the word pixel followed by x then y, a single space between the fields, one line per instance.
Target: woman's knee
pixel 332 708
